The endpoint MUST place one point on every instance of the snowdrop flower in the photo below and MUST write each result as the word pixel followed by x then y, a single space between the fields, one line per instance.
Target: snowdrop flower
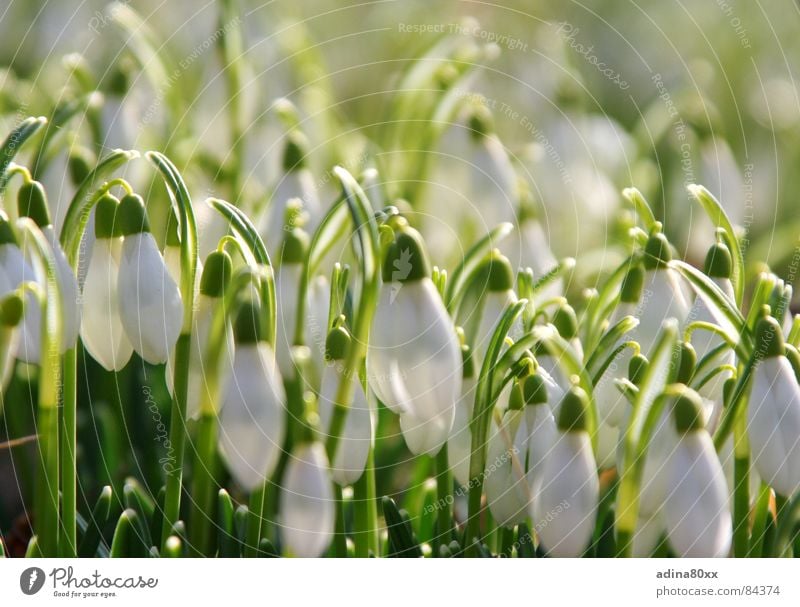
pixel 414 359
pixel 773 413
pixel 495 281
pixel 103 336
pixel 663 296
pixel 506 483
pixel 459 443
pixel 252 421
pixel 150 303
pixel 718 267
pixel 297 182
pixel 566 323
pixel 611 404
pixel 696 509
pixel 569 476
pixel 648 533
pixel 17 270
pixel 307 502
pixel 357 434
pixel 214 280
pixel 287 284
pixel 33 203
pixel 541 429
pixel 11 313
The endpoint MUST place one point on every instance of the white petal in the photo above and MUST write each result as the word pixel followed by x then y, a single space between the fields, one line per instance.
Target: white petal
pixel 102 333
pixel 307 503
pixel 252 421
pixel 696 510
pixel 18 270
pixel 287 280
pixel 505 482
pixel 149 300
pixel 542 436
pixel 459 443
pixel 662 298
pixel 566 499
pixel 647 535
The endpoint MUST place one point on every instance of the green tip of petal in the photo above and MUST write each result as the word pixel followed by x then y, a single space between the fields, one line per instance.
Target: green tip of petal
pixel 337 343
pixel 12 309
pixel 718 261
pixel 132 215
pixel 295 246
pixel 534 390
pixel 294 154
pixel 106 222
pixel 633 284
pixel 687 409
pixel 769 338
pixel 566 321
pixel 248 328
pixel 657 251
pixel 32 202
pixel 637 368
pixel 217 272
pixel 573 416
pixel 406 259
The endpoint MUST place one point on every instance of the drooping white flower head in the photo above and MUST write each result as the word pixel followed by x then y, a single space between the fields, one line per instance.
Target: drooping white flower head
pixel 358 433
pixel 568 485
pixel 292 256
pixel 414 358
pixel 541 428
pixel 696 509
pixel 295 183
pixel 103 336
pixel 214 280
pixel 32 202
pixel 150 303
pixel 252 421
pixel 566 323
pixel 663 296
pixel 307 509
pixel 773 412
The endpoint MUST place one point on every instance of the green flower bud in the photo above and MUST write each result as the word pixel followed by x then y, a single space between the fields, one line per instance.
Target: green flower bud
pixel 79 164
pixel 217 272
pixel 295 152
pixel 515 398
pixel 534 390
pixel 637 367
pixel 106 224
pixel 6 232
pixel 337 343
pixel 566 321
pixel 718 261
pixel 495 272
pixel 633 284
pixel 32 202
pixel 295 246
pixel 480 123
pixel 794 359
pixel 687 363
pixel 132 215
pixel 657 251
pixel 769 338
pixel 12 309
pixel 687 409
pixel 406 260
pixel 573 416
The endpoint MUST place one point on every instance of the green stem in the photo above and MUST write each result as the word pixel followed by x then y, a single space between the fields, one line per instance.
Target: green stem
pixel 365 533
pixel 444 484
pixel 255 519
pixel 506 542
pixel 760 519
pixel 741 491
pixel 204 496
pixel 69 539
pixel 177 435
pixel 45 504
pixel 340 533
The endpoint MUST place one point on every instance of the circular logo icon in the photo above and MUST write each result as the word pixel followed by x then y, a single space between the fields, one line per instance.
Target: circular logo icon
pixel 31 580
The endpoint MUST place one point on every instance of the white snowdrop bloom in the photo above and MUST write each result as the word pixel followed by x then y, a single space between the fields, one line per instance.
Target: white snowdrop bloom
pixel 316 322
pixel 358 431
pixel 307 506
pixel 252 421
pixel 569 483
pixel 494 286
pixel 11 313
pixel 611 403
pixel 773 412
pixel 103 336
pixel 541 430
pixel 17 270
pixel 696 509
pixel 297 182
pixel 459 443
pixel 663 296
pixel 655 484
pixel 150 303
pixel 287 283
pixel 505 480
pixel 214 280
pixel 414 358
pixel 649 530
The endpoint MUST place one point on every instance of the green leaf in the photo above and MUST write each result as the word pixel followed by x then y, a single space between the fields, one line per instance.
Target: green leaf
pixel 126 542
pixel 608 341
pixel 716 213
pixel 94 530
pixel 14 142
pixel 641 206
